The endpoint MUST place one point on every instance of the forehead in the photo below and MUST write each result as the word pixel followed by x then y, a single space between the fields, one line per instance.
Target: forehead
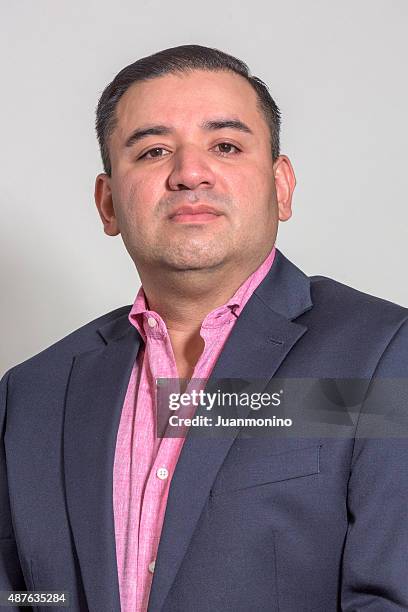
pixel 187 98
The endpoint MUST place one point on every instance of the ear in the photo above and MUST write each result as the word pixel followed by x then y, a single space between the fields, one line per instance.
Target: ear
pixel 285 183
pixel 104 204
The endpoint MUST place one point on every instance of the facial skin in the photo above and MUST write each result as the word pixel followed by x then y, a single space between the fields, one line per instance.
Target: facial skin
pixel 191 267
pixel 228 169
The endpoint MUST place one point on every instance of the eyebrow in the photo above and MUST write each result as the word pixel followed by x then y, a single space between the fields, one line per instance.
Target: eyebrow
pixel 164 130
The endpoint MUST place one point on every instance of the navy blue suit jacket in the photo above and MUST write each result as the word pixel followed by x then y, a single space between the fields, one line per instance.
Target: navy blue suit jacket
pixel 266 524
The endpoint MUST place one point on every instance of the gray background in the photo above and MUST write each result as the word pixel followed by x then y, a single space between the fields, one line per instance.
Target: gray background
pixel 336 69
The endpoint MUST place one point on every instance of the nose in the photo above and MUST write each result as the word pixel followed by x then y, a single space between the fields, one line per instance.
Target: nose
pixel 191 170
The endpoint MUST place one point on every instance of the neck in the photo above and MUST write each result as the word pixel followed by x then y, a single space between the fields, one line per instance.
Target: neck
pixel 183 298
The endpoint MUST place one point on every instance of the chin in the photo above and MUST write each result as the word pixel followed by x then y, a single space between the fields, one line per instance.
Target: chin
pixel 193 259
pixel 192 263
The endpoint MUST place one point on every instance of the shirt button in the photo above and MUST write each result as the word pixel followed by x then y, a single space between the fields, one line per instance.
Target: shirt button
pixel 162 473
pixel 151 322
pixel 151 566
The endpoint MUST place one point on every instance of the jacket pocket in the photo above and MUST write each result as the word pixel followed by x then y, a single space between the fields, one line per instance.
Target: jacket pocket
pixel 264 469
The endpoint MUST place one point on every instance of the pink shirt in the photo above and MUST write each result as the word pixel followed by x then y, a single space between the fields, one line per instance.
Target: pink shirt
pixel 144 464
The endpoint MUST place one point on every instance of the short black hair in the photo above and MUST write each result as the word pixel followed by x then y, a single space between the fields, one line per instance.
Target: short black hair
pixel 181 59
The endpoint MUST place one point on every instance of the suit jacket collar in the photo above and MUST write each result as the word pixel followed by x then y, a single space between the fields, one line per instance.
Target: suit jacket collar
pixel 261 338
pixel 285 290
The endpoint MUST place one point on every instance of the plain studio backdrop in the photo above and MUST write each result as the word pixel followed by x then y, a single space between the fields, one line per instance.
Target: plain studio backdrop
pixel 337 70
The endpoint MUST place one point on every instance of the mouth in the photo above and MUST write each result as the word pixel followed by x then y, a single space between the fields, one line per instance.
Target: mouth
pixel 194 218
pixel 195 214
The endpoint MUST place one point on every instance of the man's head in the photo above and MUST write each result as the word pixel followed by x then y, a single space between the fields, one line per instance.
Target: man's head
pixel 191 127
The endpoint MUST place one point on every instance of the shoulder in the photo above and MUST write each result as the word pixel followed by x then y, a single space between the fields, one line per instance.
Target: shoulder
pixel 59 355
pixel 335 295
pixel 358 319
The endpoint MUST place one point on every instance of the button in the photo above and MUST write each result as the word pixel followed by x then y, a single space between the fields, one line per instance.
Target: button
pixel 162 473
pixel 151 566
pixel 151 322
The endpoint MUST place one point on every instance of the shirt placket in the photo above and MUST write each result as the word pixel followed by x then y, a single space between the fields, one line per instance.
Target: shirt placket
pixel 160 364
pixel 166 451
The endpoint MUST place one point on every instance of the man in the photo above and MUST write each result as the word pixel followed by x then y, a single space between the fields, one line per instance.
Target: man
pixel 93 503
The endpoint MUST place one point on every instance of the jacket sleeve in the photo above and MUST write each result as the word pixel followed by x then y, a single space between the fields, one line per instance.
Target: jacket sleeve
pixel 375 556
pixel 11 576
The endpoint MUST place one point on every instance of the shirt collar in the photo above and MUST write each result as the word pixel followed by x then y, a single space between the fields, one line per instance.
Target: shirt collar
pixel 140 313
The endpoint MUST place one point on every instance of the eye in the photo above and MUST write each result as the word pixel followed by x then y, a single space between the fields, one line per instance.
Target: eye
pixel 153 153
pixel 225 146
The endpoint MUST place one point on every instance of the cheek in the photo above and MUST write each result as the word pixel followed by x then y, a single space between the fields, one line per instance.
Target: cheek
pixel 254 196
pixel 136 197
pixel 264 181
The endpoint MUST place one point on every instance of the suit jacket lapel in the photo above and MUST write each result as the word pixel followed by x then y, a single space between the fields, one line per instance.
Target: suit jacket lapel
pixel 262 336
pixel 95 396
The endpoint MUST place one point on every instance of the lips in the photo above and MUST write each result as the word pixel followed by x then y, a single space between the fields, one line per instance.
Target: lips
pixel 195 210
